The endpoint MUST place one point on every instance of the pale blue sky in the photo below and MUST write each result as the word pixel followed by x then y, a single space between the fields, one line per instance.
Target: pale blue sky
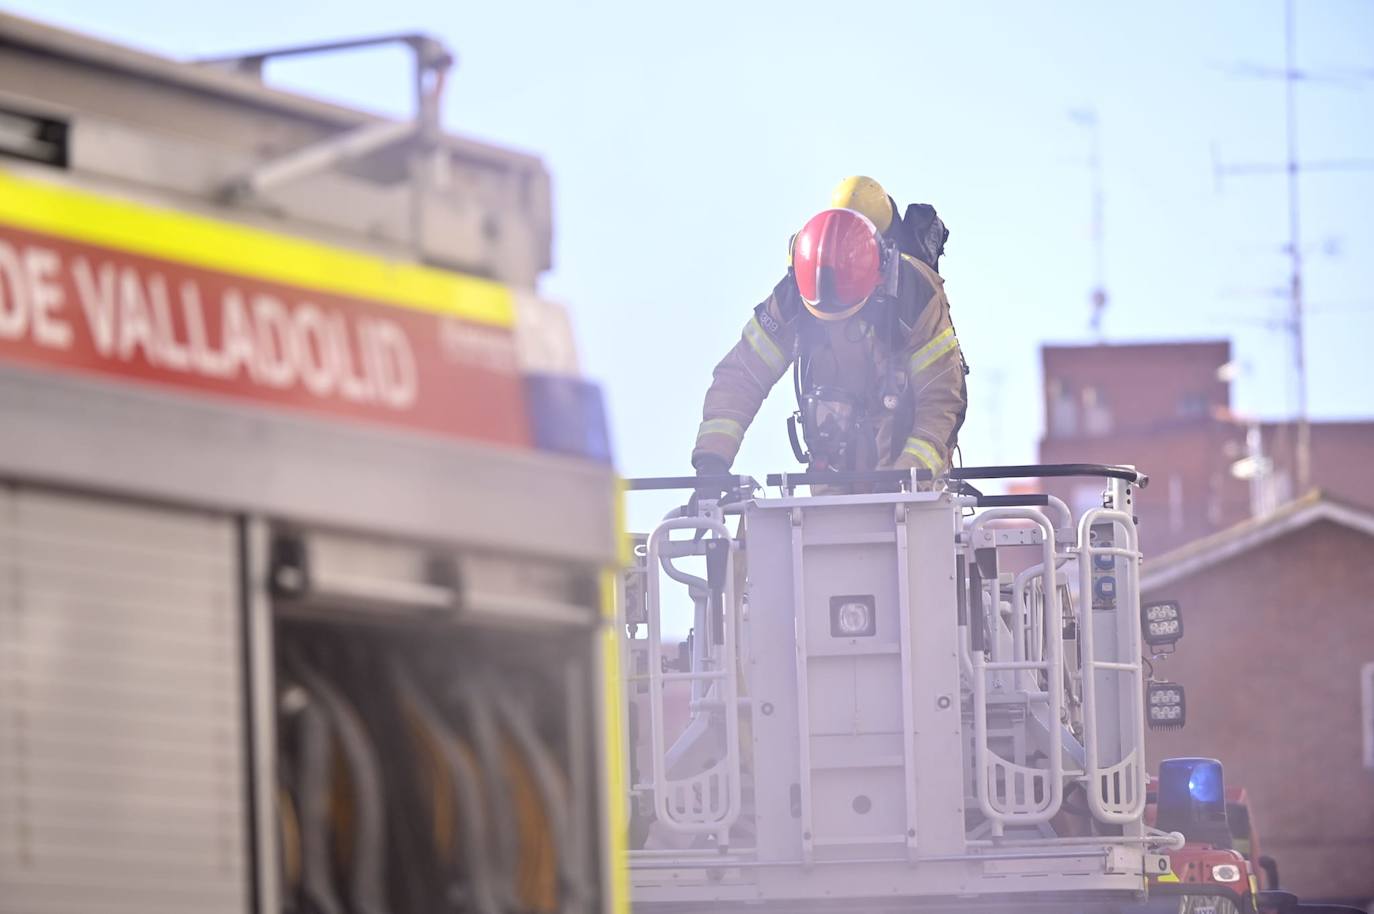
pixel 687 142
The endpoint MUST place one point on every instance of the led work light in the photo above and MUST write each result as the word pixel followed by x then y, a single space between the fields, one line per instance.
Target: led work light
pixel 1166 705
pixel 1161 624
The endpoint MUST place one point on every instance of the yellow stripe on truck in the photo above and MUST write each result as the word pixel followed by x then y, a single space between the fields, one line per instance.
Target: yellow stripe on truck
pixel 615 846
pixel 52 209
pixel 614 751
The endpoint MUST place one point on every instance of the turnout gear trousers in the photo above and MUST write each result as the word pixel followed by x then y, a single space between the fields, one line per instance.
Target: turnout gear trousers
pixel 900 356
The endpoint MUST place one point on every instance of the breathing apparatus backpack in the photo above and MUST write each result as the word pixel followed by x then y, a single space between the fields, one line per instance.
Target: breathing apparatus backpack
pixel 921 234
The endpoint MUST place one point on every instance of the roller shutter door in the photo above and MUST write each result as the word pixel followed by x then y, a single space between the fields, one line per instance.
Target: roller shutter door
pixel 122 735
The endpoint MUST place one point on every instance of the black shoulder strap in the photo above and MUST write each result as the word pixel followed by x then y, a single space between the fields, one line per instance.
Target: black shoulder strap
pixel 915 293
pixel 788 297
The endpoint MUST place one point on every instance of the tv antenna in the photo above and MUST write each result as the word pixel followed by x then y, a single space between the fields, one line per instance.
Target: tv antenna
pixel 1292 167
pixel 1097 298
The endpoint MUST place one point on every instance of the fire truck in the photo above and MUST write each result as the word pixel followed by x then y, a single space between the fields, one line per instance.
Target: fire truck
pixel 285 620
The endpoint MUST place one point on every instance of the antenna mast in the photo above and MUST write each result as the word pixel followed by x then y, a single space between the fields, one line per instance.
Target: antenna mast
pixel 1292 168
pixel 1097 298
pixel 1303 449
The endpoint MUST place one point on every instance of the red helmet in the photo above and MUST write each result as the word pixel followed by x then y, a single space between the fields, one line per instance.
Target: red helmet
pixel 837 262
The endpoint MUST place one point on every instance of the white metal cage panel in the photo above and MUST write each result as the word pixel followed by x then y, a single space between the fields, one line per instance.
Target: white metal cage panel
pixel 707 801
pixel 122 770
pixel 867 747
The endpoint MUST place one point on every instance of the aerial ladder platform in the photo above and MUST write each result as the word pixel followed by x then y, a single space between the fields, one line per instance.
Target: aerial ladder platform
pixel 921 697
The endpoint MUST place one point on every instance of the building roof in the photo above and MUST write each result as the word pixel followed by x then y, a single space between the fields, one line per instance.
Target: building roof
pixel 1220 344
pixel 1208 551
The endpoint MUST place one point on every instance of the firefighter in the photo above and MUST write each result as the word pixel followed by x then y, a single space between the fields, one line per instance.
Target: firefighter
pixel 865 326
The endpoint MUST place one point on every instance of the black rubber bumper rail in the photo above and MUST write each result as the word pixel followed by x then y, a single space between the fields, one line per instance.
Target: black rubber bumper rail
pixel 894 478
pixel 1049 470
pixel 1029 500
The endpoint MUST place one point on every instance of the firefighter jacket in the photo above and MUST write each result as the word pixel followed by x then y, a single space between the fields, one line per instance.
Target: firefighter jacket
pixel 898 356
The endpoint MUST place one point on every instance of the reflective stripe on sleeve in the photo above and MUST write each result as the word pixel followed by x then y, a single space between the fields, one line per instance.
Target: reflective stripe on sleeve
pixel 941 344
pixel 764 346
pixel 727 427
pixel 923 452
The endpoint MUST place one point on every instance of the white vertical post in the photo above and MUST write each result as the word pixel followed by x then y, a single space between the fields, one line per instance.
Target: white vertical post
pixel 808 834
pixel 262 710
pixel 908 711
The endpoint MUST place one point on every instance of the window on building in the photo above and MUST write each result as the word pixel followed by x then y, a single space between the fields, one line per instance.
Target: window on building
pixel 1177 510
pixel 1086 496
pixel 1063 410
pixel 1097 415
pixel 1367 712
pixel 1193 404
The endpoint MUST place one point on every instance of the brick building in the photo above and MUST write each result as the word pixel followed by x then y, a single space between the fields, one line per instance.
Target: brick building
pixel 1276 592
pixel 1278 662
pixel 1166 407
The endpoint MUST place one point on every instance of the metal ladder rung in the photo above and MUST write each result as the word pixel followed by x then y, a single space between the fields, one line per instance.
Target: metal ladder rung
pixel 692 677
pixel 1114 665
pixel 1017 697
pixel 1029 666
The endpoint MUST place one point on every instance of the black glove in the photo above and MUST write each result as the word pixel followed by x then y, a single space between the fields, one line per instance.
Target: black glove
pixel 711 465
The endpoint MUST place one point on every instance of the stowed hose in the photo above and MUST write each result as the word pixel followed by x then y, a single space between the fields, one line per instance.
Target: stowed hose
pixel 502 839
pixel 367 883
pixel 498 835
pixel 552 786
pixel 536 874
pixel 314 754
pixel 289 839
pixel 429 727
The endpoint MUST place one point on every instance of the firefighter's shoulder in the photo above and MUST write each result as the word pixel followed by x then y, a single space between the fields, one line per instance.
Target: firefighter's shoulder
pixel 782 307
pixel 926 273
pixel 919 287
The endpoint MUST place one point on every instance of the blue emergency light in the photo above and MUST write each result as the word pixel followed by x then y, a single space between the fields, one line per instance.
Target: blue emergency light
pixel 1192 800
pixel 567 416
